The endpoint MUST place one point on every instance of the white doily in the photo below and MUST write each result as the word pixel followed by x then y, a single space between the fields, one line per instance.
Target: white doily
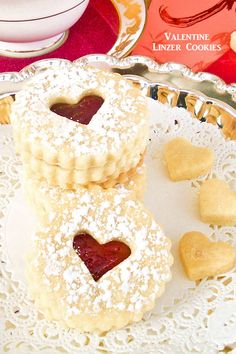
pixel 189 318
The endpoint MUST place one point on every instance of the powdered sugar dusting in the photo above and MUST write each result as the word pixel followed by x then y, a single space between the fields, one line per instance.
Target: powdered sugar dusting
pixel 120 120
pixel 106 215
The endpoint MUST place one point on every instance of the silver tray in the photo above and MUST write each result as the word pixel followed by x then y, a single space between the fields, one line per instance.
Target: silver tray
pixel 205 95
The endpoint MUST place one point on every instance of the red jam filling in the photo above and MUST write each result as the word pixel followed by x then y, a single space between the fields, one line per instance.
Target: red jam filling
pixel 81 112
pixel 99 259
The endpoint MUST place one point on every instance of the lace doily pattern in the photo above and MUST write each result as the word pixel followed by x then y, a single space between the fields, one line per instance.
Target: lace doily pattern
pixel 200 318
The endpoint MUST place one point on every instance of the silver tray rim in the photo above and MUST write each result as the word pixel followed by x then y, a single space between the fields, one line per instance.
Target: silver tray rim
pixel 11 82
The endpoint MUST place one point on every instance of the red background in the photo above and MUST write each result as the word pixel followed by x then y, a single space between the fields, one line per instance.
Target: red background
pixel 96 32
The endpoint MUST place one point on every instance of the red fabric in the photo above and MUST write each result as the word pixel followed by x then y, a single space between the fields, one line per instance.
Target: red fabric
pixel 95 32
pixel 225 67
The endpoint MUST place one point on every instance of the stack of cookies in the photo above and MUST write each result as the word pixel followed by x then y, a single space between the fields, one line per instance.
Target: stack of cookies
pixel 80 126
pixel 98 256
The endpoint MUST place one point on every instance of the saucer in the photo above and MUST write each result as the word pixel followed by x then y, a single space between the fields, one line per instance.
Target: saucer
pixel 107 27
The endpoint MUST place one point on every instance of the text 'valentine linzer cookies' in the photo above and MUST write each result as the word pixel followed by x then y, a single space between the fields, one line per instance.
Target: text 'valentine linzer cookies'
pixel 217 203
pixel 202 258
pixel 100 264
pixel 186 161
pixel 80 124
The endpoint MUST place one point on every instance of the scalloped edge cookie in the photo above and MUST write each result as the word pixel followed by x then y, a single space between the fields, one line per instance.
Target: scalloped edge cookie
pixel 68 292
pixel 113 140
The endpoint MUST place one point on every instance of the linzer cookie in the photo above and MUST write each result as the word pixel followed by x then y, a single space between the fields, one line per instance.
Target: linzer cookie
pixel 136 183
pixel 44 197
pixel 57 176
pixel 81 123
pixel 100 264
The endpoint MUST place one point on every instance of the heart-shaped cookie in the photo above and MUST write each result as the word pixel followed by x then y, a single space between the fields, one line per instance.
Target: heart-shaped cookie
pixel 217 203
pixel 202 258
pixel 186 161
pixel 99 259
pixel 81 112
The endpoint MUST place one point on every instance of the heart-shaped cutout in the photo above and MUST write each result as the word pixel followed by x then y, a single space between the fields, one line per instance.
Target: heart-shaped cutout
pixel 186 161
pixel 202 258
pixel 217 203
pixel 99 259
pixel 81 112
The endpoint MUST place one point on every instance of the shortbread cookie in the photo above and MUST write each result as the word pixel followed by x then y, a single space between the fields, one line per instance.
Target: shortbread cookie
pixel 136 183
pixel 57 176
pixel 202 258
pixel 91 123
pixel 5 107
pixel 217 203
pixel 186 161
pixel 44 197
pixel 100 264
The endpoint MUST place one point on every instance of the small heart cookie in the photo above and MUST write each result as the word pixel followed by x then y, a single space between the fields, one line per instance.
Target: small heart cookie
pixel 217 203
pixel 186 161
pixel 202 258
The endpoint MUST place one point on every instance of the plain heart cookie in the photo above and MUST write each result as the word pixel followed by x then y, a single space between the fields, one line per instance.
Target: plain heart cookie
pixel 202 258
pixel 186 161
pixel 217 203
pixel 101 263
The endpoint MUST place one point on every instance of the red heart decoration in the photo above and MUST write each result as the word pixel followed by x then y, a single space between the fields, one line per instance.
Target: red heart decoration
pixel 81 112
pixel 99 259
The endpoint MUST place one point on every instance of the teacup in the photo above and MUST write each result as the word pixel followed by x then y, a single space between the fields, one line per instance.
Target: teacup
pixel 28 26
